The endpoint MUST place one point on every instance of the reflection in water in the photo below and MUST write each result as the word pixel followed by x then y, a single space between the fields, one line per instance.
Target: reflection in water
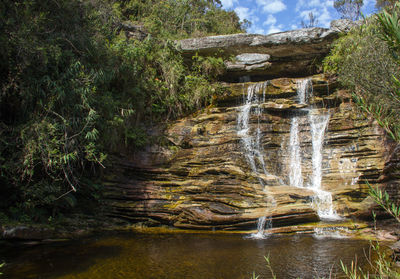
pixel 140 256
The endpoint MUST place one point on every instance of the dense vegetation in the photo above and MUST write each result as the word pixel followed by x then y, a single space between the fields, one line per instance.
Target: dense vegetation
pixel 74 89
pixel 366 61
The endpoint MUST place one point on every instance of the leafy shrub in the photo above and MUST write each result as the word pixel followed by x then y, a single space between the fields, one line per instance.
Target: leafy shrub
pixel 365 65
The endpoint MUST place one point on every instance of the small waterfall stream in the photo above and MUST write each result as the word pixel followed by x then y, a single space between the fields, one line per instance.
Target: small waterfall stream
pixel 304 90
pixel 263 224
pixel 251 142
pixel 295 175
pixel 322 200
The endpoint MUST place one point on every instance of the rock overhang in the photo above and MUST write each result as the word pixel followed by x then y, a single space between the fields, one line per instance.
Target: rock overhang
pixel 291 53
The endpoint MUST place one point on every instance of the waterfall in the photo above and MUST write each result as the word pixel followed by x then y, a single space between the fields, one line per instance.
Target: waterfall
pixel 251 142
pixel 262 224
pixel 304 90
pixel 322 200
pixel 295 175
pixel 318 125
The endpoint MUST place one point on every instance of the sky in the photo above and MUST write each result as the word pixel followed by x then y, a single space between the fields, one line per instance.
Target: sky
pixel 272 16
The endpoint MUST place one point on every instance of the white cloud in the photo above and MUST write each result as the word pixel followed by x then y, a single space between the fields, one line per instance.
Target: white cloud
pixel 271 20
pixel 227 4
pixel 369 5
pixel 308 4
pixel 322 15
pixel 275 29
pixel 243 13
pixel 256 30
pixel 272 6
pixel 246 13
pixel 324 18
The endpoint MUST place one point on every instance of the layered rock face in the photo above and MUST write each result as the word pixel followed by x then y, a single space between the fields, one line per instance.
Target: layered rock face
pixel 295 150
pixel 208 178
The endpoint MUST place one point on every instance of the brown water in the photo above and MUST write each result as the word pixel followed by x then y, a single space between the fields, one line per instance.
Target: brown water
pixel 167 256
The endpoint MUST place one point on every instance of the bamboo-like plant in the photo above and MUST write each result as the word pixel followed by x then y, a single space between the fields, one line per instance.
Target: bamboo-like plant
pixel 383 200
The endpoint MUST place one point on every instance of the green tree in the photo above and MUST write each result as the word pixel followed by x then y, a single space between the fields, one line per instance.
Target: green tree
pixel 74 89
pixel 349 9
pixel 180 18
pixel 365 64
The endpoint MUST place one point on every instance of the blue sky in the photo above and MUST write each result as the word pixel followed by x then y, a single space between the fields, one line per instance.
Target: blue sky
pixel 271 16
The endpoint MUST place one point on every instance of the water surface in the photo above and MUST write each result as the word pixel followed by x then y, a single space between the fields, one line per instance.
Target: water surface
pixel 146 256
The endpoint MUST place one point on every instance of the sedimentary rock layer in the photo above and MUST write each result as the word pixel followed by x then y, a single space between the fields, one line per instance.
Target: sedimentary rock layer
pixel 201 179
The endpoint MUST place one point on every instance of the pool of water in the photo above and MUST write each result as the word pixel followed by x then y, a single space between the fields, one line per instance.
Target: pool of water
pixel 167 256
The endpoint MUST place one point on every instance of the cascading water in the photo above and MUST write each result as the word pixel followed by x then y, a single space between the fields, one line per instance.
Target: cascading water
pixel 304 90
pixel 251 141
pixel 322 200
pixel 263 224
pixel 295 175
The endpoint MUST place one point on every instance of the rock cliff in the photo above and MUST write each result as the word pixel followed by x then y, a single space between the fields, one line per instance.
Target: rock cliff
pixel 286 148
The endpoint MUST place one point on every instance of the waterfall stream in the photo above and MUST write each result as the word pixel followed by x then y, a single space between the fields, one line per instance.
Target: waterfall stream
pixel 304 90
pixel 295 175
pixel 251 142
pixel 322 200
pixel 263 224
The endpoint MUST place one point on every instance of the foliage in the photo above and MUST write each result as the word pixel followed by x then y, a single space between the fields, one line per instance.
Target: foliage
pixel 390 29
pixel 269 266
pixel 74 89
pixel 349 9
pixel 1 265
pixel 381 267
pixel 180 18
pixel 365 64
pixel 384 201
pixel 267 259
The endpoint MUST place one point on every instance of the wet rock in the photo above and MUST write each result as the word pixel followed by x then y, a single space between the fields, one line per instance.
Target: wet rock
pixel 396 252
pixel 27 233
